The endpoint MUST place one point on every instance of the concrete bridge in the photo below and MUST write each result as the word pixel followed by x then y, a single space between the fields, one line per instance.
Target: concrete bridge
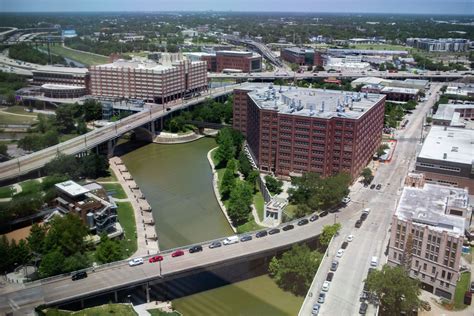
pixel 113 280
pixel 104 137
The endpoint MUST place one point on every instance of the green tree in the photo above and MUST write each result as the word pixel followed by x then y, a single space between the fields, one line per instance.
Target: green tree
pixel 367 175
pixel 3 150
pixel 227 183
pixel 52 263
pixel 252 179
pixel 108 250
pixel 92 110
pixel 396 290
pixel 5 251
pixel 11 98
pixel 244 164
pixel 381 150
pixel 295 270
pixel 77 261
pixel 64 165
pixel 273 185
pixel 226 149
pixel 36 238
pixel 302 210
pixel 67 235
pixel 94 166
pixel 328 232
pixel 65 119
pixel 239 203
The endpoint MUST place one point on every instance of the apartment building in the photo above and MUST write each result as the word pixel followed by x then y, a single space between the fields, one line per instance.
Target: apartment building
pixel 302 56
pixel 447 157
pixel 292 130
pixel 431 220
pixel 440 44
pixel 149 80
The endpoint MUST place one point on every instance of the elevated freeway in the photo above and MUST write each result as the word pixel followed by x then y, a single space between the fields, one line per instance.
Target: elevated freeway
pixel 23 165
pixel 257 46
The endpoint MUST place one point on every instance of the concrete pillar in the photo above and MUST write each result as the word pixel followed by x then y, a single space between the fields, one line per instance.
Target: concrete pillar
pixel 147 285
pixel 116 296
pixel 110 148
pixel 82 304
pixel 152 127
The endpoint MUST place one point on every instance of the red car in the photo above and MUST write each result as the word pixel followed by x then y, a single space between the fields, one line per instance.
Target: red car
pixel 177 253
pixel 155 259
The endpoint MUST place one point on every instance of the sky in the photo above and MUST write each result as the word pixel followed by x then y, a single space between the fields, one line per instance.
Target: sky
pixel 345 6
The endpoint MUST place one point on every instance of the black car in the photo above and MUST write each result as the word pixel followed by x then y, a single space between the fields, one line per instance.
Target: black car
pixel 196 248
pixel 372 186
pixel 378 187
pixel 215 244
pixel 313 218
pixel 288 227
pixel 363 308
pixel 329 276
pixel 334 265
pixel 323 213
pixel 168 109
pixel 358 223
pixel 363 216
pixel 246 238
pixel 273 231
pixel 79 275
pixel 303 221
pixel 261 233
pixel 344 245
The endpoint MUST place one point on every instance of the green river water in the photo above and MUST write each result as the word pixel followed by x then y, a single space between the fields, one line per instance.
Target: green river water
pixel 177 182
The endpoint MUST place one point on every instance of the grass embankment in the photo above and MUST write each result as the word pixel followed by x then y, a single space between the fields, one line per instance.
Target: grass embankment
pixel 15 117
pixel 461 288
pixel 116 190
pixel 382 47
pixel 29 186
pixel 110 178
pixel 6 192
pixel 126 218
pixel 109 309
pixel 157 312
pixel 85 58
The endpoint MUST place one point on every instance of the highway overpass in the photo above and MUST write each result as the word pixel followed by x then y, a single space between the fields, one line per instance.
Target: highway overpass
pixel 257 46
pixel 119 275
pixel 28 163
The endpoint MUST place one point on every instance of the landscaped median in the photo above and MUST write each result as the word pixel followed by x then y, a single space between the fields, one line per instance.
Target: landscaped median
pixel 126 217
pixel 461 287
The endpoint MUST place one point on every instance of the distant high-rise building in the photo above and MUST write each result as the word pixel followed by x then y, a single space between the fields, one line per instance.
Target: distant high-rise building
pixel 439 45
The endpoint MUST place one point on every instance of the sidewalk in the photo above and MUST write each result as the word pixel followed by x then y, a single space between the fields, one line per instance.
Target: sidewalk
pixel 147 240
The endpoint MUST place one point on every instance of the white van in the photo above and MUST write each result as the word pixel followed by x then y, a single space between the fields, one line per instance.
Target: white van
pixel 374 262
pixel 231 240
pixel 366 211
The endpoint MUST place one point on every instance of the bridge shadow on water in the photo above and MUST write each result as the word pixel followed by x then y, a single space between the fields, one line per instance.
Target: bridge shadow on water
pixel 184 284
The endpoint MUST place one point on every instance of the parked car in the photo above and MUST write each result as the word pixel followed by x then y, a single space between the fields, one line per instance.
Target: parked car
pixel 344 245
pixel 215 244
pixel 321 297
pixel 315 310
pixel 313 217
pixel 363 308
pixel 245 238
pixel 155 259
pixel 288 227
pixel 372 186
pixel 334 265
pixel 303 221
pixel 79 275
pixel 358 223
pixel 339 253
pixel 326 285
pixel 177 253
pixel 273 231
pixel 323 213
pixel 261 234
pixel 378 187
pixel 363 216
pixel 135 262
pixel 329 276
pixel 196 248
pixel 374 262
pixel 346 200
pixel 231 240
pixel 472 287
pixel 350 238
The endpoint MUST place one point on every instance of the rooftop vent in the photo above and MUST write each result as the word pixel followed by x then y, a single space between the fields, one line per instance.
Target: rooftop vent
pixel 445 156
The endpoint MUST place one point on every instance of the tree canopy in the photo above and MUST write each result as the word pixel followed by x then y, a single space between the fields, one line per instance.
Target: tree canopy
pixel 328 232
pixel 296 268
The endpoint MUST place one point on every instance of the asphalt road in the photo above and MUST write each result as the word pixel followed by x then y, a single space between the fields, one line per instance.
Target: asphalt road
pixel 372 238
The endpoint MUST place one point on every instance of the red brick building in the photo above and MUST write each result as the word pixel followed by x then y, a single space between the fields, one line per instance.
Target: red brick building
pixel 291 130
pixel 238 60
pixel 302 56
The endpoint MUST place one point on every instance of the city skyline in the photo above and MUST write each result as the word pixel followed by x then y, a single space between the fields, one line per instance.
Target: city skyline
pixel 457 7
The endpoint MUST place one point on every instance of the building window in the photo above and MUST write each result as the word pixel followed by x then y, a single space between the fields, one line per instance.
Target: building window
pixel 424 266
pixel 433 270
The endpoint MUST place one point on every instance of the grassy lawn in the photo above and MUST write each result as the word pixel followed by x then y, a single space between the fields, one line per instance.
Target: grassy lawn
pixel 290 210
pixel 157 312
pixel 29 186
pixel 7 118
pixel 117 189
pixel 461 288
pixel 259 202
pixel 6 192
pixel 18 109
pixel 109 309
pixel 126 218
pixel 111 178
pixel 382 47
pixel 82 57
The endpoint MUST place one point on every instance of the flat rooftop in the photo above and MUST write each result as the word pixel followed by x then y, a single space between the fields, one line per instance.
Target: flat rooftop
pixel 237 53
pixel 400 90
pixel 299 50
pixel 136 64
pixel 449 144
pixel 71 188
pixel 61 70
pixel 313 102
pixel 428 206
pixel 53 86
